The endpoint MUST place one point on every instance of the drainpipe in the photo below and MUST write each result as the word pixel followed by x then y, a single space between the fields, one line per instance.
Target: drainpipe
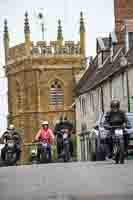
pixel 102 99
pixel 128 92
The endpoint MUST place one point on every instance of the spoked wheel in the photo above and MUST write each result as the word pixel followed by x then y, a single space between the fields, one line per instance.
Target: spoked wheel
pixel 43 156
pixel 10 158
pixel 119 152
pixel 116 153
pixel 66 152
pixel 122 152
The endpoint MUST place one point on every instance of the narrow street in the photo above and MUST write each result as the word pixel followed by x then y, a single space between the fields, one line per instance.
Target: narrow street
pixel 71 181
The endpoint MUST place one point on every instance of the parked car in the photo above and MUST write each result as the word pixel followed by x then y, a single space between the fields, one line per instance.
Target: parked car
pixel 1 146
pixel 98 134
pixel 130 132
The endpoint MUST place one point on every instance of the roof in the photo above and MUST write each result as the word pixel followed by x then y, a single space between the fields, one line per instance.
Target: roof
pixel 87 74
pixel 94 74
pixel 102 74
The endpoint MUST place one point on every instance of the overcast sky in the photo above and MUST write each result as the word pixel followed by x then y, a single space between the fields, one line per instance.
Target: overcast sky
pixel 99 20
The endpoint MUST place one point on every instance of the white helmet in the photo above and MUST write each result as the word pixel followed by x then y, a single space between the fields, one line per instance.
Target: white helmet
pixel 44 123
pixel 11 126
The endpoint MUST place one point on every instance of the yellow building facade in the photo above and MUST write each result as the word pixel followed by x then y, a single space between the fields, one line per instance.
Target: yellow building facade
pixel 41 79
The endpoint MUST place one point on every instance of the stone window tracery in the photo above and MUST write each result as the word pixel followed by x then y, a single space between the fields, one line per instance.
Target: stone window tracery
pixel 56 93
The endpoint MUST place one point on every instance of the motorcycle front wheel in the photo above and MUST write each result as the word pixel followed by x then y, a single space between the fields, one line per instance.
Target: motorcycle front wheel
pixel 122 151
pixel 66 152
pixel 119 152
pixel 10 158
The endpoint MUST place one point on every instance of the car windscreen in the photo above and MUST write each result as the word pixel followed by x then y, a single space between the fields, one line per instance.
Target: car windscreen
pixel 130 120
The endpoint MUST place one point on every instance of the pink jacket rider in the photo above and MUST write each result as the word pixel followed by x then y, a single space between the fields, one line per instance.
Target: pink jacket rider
pixel 45 134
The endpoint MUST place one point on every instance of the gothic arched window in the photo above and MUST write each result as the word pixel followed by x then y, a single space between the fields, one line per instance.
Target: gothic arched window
pixel 56 93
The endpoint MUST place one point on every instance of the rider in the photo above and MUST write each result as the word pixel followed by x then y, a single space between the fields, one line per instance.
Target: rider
pixel 61 127
pixel 115 117
pixel 45 133
pixel 13 133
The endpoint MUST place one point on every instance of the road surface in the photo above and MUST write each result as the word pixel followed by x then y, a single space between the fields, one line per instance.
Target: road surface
pixel 71 181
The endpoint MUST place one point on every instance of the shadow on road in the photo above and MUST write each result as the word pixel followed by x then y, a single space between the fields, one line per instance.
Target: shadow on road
pixel 97 197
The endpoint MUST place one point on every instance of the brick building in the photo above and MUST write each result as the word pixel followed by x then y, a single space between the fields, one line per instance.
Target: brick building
pixel 123 9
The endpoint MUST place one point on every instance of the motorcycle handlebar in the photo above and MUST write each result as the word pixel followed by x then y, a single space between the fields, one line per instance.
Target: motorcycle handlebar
pixel 113 127
pixel 36 142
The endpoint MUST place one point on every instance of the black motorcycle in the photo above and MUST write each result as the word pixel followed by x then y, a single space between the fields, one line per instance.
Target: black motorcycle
pixel 11 147
pixel 118 144
pixel 63 141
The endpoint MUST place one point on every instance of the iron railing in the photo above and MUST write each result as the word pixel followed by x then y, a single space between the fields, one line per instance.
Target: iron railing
pixel 84 145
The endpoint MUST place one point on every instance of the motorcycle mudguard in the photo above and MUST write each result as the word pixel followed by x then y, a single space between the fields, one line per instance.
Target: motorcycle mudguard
pixel 33 149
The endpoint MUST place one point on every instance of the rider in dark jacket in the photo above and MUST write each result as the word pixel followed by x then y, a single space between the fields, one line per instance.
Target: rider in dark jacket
pixel 115 117
pixel 60 128
pixel 11 132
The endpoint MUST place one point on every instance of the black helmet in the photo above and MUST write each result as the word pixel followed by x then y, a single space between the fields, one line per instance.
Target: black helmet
pixel 115 104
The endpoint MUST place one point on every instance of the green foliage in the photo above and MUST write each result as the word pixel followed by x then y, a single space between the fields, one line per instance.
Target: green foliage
pixel 54 152
pixel 74 141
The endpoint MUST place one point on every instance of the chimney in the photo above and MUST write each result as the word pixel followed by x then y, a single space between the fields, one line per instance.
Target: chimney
pixel 128 34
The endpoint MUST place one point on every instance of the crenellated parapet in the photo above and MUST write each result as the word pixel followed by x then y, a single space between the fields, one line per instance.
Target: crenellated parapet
pixel 42 48
pixel 52 48
pixel 59 47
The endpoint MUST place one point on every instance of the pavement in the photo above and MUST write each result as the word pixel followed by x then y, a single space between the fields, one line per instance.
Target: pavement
pixel 67 181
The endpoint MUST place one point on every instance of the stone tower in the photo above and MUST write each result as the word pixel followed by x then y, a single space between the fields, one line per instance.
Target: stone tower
pixel 123 10
pixel 41 78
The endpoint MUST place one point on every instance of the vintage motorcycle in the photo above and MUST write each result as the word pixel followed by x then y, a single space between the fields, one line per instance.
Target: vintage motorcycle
pixel 118 144
pixel 11 146
pixel 42 149
pixel 63 140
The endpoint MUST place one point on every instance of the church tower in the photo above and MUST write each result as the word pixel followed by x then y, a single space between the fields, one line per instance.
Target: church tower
pixel 123 10
pixel 41 79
